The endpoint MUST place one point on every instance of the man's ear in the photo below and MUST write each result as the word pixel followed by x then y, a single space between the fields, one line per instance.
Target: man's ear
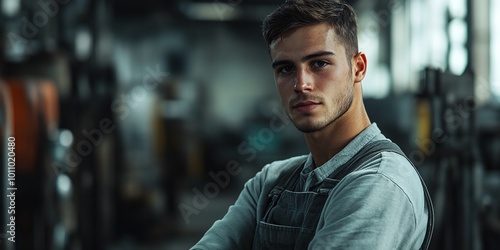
pixel 359 66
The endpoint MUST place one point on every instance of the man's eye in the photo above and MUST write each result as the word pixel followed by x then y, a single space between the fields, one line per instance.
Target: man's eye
pixel 285 69
pixel 319 64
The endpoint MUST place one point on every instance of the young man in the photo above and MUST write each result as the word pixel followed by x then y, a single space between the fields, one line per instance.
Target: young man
pixel 355 190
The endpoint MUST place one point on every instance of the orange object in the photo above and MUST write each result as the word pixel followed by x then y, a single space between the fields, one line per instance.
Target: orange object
pixel 5 113
pixel 34 113
pixel 49 102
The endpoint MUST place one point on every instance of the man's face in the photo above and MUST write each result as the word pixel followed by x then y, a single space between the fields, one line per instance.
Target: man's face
pixel 313 76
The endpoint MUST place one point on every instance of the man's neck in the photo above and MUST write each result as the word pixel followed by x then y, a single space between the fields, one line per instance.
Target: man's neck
pixel 326 143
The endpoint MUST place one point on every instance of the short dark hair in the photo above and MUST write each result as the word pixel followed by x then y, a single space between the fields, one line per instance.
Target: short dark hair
pixel 294 14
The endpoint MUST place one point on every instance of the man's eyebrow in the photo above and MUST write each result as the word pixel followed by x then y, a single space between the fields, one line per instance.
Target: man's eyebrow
pixel 280 62
pixel 318 54
pixel 305 58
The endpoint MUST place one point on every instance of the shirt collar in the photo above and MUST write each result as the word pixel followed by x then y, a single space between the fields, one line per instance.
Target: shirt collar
pixel 314 176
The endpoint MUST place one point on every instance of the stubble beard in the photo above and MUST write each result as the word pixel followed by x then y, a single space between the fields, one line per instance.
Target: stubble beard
pixel 314 125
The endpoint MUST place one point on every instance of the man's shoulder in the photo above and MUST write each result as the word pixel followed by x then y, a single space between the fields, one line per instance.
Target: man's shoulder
pixel 390 163
pixel 397 166
pixel 394 166
pixel 397 169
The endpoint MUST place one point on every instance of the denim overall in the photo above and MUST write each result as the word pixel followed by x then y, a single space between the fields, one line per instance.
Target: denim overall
pixel 292 217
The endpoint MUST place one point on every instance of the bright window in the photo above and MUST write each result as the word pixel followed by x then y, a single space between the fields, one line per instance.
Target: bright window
pixel 495 48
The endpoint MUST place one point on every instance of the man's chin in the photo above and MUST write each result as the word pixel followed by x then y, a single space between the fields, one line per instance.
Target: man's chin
pixel 311 126
pixel 307 128
pixel 306 124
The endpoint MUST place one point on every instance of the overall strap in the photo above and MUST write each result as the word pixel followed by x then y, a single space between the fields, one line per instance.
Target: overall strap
pixel 369 151
pixel 289 177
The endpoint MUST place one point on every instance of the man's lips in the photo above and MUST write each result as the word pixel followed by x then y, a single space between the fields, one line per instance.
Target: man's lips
pixel 305 105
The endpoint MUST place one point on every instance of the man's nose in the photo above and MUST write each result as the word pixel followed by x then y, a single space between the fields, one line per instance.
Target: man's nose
pixel 303 81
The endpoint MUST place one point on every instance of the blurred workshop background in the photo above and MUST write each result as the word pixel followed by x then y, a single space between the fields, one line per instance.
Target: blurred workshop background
pixel 136 123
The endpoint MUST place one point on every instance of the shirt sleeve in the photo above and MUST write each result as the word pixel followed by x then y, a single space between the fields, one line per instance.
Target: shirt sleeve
pixel 236 229
pixel 370 210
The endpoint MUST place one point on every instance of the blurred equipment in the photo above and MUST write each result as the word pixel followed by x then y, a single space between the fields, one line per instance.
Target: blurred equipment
pixel 489 141
pixel 32 111
pixel 5 132
pixel 446 133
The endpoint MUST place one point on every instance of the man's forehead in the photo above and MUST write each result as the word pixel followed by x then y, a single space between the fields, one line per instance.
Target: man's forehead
pixel 306 40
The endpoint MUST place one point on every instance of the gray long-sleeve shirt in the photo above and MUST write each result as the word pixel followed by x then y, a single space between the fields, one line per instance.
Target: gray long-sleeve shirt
pixel 380 206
